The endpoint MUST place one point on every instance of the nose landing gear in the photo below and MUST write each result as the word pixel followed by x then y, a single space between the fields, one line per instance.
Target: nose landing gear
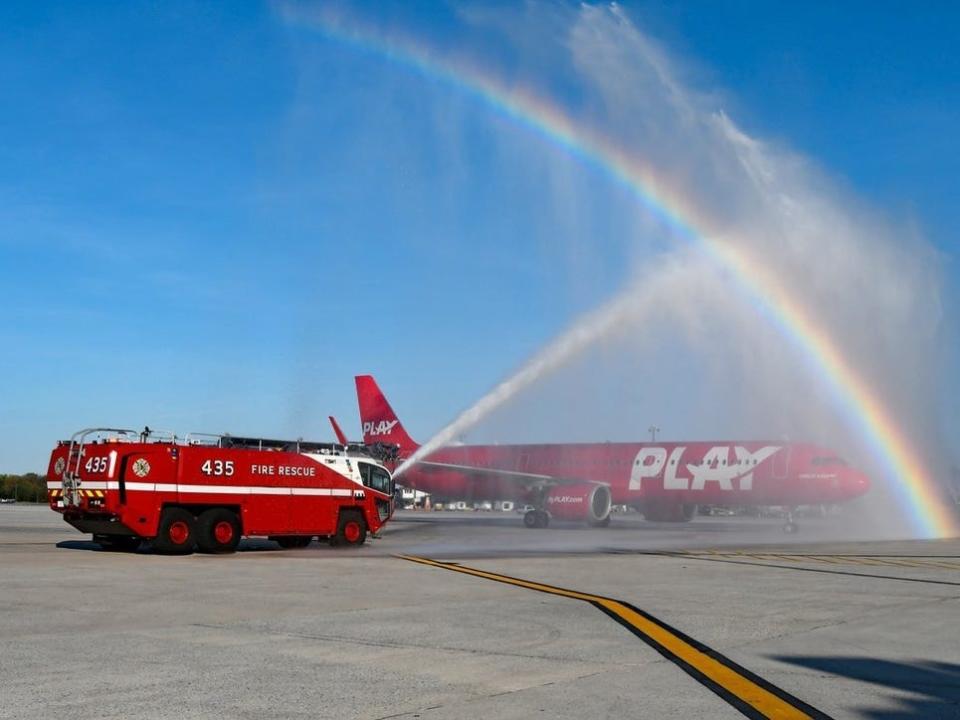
pixel 790 527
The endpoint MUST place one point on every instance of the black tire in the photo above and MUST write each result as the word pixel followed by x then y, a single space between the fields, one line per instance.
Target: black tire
pixel 177 532
pixel 351 529
pixel 602 523
pixel 536 519
pixel 218 531
pixel 118 543
pixel 292 542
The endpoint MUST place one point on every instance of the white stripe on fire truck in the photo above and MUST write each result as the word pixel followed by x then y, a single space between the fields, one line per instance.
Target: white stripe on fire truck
pixel 86 484
pixel 240 489
pixel 211 489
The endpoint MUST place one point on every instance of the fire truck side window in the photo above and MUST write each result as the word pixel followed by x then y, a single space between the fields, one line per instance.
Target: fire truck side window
pixel 365 473
pixel 375 477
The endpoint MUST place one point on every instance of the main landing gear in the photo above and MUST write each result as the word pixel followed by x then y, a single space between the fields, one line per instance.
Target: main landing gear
pixel 790 527
pixel 536 519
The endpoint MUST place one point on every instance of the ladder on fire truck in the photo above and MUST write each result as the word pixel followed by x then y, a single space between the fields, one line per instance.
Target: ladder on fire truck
pixel 70 479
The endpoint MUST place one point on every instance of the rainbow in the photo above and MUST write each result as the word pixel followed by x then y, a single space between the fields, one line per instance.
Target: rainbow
pixel 914 487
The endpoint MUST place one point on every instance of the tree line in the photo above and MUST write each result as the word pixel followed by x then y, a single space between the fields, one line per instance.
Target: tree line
pixel 24 488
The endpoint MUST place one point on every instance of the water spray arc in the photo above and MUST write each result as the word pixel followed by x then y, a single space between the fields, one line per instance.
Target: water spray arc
pixel 866 413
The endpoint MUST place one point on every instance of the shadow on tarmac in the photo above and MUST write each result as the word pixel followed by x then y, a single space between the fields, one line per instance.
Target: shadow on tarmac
pixel 934 685
pixel 81 545
pixel 246 546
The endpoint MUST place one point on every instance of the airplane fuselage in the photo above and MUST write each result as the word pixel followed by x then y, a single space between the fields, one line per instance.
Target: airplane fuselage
pixel 719 473
pixel 665 481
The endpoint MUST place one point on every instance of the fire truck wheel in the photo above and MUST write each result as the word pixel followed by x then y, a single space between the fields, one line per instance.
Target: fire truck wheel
pixel 351 530
pixel 176 534
pixel 218 531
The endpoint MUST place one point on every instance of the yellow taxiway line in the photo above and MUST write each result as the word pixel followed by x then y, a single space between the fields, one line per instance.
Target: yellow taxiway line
pixel 748 693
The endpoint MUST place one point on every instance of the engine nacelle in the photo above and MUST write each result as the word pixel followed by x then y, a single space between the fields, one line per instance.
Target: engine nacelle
pixel 588 502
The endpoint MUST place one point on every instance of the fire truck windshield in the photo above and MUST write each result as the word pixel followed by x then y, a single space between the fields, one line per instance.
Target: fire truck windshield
pixel 375 477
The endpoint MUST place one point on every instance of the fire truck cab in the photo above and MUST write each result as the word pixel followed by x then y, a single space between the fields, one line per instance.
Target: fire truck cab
pixel 205 492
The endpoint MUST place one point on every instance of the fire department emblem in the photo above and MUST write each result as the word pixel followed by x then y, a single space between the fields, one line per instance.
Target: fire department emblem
pixel 59 466
pixel 141 468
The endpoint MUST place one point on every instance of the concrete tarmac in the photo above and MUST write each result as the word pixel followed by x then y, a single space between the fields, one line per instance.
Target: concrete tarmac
pixel 847 629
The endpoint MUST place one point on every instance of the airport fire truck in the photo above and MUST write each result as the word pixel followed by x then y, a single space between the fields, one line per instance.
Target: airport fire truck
pixel 207 491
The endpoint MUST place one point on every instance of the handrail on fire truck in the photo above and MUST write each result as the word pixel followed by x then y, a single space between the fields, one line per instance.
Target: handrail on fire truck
pixel 202 438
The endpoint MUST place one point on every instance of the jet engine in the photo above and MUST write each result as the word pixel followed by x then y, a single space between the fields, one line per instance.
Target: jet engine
pixel 587 502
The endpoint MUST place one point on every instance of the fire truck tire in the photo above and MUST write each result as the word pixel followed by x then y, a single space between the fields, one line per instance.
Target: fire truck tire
pixel 218 531
pixel 119 543
pixel 351 530
pixel 176 534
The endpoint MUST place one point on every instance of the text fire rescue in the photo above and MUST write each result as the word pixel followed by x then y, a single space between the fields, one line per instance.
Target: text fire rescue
pixel 283 470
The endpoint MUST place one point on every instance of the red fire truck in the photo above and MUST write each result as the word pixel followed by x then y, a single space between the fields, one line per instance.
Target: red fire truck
pixel 206 491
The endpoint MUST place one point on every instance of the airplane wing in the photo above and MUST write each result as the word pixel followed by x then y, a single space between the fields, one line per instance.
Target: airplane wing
pixel 524 479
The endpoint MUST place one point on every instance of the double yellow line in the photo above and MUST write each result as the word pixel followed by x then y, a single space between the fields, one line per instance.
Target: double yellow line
pixel 748 693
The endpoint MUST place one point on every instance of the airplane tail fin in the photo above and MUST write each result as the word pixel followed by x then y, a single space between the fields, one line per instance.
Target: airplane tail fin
pixel 379 421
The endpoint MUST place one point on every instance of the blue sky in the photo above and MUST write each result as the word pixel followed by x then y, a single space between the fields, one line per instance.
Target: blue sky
pixel 211 220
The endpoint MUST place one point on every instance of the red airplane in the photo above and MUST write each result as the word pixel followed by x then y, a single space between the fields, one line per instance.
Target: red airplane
pixel 581 481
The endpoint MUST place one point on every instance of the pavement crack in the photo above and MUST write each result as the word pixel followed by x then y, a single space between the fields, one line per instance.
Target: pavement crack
pixel 487 696
pixel 538 685
pixel 405 645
